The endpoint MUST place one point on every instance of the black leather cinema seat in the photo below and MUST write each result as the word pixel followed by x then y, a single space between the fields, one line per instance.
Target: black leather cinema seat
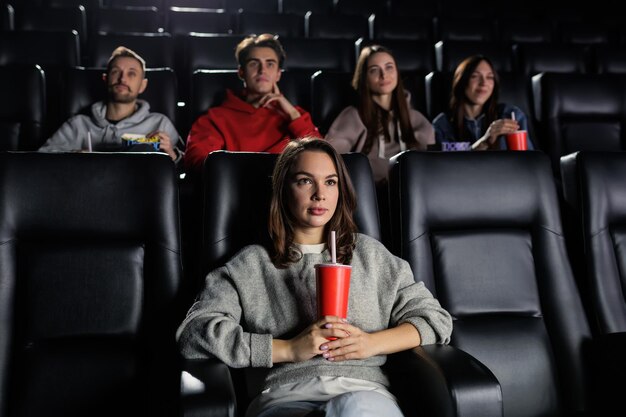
pixel 156 48
pixel 483 231
pixel 450 53
pixel 331 92
pixel 90 285
pixel 581 112
pixel 281 24
pixel 434 380
pixel 595 191
pixel 22 108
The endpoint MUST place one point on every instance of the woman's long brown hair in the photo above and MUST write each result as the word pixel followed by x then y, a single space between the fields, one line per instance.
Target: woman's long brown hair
pixel 374 117
pixel 460 82
pixel 281 222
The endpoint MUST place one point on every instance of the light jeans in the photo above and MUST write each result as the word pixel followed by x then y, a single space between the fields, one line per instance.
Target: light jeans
pixel 350 404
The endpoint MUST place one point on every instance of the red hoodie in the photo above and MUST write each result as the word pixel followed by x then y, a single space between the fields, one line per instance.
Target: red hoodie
pixel 239 126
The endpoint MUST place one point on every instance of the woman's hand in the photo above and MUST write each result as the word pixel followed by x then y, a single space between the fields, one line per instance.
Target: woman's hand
pixel 496 128
pixel 308 343
pixel 357 344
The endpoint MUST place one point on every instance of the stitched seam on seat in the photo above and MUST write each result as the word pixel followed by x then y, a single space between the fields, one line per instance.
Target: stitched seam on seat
pixel 604 229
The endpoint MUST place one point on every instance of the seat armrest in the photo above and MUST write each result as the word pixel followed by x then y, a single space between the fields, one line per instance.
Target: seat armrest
pixel 207 389
pixel 440 380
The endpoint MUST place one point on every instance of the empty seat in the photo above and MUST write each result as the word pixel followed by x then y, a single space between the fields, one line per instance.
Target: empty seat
pixel 386 27
pixel 475 29
pixel 159 4
pixel 483 231
pixel 184 20
pixel 53 51
pixel 552 57
pixel 7 17
pixel 281 24
pixel 513 30
pixel 336 26
pixel 210 51
pixel 85 86
pixel 301 7
pixel 586 33
pixel 127 20
pixel 64 19
pixel 449 54
pixel 268 6
pixel 411 55
pixel 331 92
pixel 413 8
pixel 319 54
pixel 22 108
pixel 91 284
pixel 581 112
pixel 360 7
pixel 156 48
pixel 609 59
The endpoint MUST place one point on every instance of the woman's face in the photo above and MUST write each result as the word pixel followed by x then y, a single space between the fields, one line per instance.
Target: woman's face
pixel 382 74
pixel 481 83
pixel 313 192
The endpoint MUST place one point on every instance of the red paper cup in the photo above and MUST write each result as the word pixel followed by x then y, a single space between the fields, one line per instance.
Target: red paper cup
pixel 333 289
pixel 516 141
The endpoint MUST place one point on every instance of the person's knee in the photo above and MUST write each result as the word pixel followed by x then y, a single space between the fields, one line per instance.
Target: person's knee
pixel 362 404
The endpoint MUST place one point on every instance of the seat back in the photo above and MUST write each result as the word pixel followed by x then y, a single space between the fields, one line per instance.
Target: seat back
pixel 464 28
pixel 417 28
pixel 90 278
pixel 535 58
pixel 184 20
pixel 127 20
pixel 301 7
pixel 595 191
pixel 22 108
pixel 450 53
pixel 581 112
pixel 63 19
pixel 156 48
pixel 331 92
pixel 336 26
pixel 236 205
pixel 609 59
pixel 319 54
pixel 512 30
pixel 281 24
pixel 483 231
pixel 411 55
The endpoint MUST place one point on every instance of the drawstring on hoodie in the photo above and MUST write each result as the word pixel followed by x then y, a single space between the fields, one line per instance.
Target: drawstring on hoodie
pixel 381 142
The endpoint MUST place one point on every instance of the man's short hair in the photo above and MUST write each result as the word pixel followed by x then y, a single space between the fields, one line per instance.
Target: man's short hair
pixel 265 40
pixel 122 51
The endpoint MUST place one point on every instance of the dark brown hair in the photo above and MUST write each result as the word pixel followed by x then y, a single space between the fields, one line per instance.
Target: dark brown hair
pixel 458 98
pixel 374 117
pixel 265 40
pixel 281 223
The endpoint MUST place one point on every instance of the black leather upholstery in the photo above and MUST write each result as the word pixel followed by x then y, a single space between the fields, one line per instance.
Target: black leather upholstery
pixel 281 24
pixel 534 58
pixel 319 54
pixel 483 231
pixel 450 53
pixel 84 86
pixel 90 279
pixel 54 19
pixel 302 6
pixel 336 26
pixel 581 112
pixel 387 27
pixel 464 28
pixel 609 59
pixel 156 48
pixel 331 92
pixel 360 7
pixel 7 17
pixel 515 29
pixel 182 21
pixel 411 55
pixel 127 20
pixel 48 49
pixel 22 108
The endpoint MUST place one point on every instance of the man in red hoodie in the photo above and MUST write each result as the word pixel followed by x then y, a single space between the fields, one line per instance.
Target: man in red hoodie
pixel 260 119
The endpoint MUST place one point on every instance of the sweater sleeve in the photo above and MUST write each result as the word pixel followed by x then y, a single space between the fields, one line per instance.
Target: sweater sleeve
pixel 415 304
pixel 422 129
pixel 203 139
pixel 66 138
pixel 303 126
pixel 212 327
pixel 346 131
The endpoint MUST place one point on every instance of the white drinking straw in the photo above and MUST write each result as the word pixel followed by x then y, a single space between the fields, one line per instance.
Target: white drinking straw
pixel 513 115
pixel 333 248
pixel 89 141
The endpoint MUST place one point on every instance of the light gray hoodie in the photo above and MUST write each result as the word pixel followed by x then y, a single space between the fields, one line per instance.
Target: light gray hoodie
pixel 106 136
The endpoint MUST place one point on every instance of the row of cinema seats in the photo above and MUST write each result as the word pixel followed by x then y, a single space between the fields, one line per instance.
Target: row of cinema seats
pixel 567 112
pixel 184 20
pixel 93 288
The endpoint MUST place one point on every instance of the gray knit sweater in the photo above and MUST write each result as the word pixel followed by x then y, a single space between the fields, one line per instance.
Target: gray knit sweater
pixel 249 301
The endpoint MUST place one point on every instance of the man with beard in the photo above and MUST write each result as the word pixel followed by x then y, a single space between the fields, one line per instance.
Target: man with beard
pixel 122 117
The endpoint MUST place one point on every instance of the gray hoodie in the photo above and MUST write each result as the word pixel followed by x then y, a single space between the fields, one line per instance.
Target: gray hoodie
pixel 106 136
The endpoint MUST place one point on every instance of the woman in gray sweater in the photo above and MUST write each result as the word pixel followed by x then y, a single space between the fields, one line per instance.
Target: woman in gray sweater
pixel 259 310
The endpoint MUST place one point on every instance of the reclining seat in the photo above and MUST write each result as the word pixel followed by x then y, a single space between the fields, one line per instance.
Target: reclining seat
pixel 90 276
pixel 483 231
